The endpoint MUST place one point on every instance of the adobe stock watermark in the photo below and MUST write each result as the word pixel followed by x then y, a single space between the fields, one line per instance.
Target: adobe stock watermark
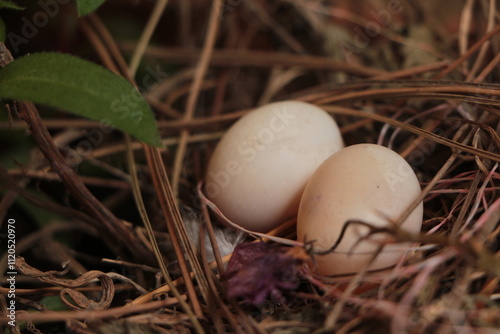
pixel 11 273
pixel 445 307
pixel 249 149
pixel 373 28
pixel 125 106
pixel 416 158
pixel 32 25
pixel 290 280
pixel 228 6
pixel 427 147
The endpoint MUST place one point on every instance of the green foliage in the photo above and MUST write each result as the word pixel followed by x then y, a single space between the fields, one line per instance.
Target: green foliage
pixel 86 7
pixel 41 216
pixel 2 30
pixel 9 5
pixel 53 303
pixel 83 88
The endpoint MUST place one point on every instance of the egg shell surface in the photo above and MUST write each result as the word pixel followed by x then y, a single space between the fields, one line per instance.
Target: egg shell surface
pixel 259 169
pixel 363 182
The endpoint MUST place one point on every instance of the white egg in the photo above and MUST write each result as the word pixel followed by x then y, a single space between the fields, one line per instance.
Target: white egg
pixel 363 182
pixel 260 167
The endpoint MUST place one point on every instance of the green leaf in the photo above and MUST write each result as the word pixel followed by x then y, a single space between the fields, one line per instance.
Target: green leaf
pixel 53 303
pixel 87 6
pixel 41 216
pixel 9 5
pixel 83 88
pixel 2 30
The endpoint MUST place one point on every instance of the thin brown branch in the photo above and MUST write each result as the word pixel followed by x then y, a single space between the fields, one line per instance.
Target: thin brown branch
pixel 57 316
pixel 202 66
pixel 411 128
pixel 468 54
pixel 247 58
pixel 172 217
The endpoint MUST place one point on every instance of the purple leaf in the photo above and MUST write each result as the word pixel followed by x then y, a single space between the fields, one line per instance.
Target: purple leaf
pixel 257 270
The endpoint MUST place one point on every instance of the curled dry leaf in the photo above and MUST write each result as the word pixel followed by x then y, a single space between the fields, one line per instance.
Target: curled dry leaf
pixel 257 270
pixel 80 301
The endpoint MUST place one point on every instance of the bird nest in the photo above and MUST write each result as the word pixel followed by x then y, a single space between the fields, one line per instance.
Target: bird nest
pixel 124 240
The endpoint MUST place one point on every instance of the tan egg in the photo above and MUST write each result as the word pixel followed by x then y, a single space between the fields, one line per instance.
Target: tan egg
pixel 260 167
pixel 364 182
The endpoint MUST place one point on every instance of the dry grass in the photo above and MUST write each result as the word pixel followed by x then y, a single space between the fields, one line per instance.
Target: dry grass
pixel 422 82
